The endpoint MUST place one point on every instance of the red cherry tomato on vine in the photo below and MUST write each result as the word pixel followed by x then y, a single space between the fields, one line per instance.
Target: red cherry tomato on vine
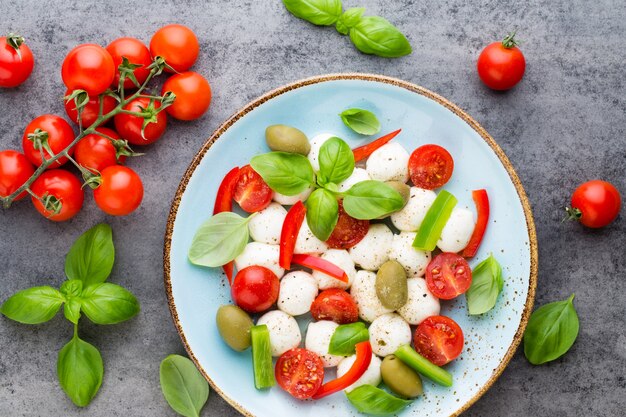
pixel 137 53
pixel 96 152
pixel 255 289
pixel 59 136
pixel 129 126
pixel 193 95
pixel 251 192
pixel 59 187
pixel 88 67
pixel 430 166
pixel 90 112
pixel 501 65
pixel 595 204
pixel 15 169
pixel 120 191
pixel 177 44
pixel 300 372
pixel 336 305
pixel 448 275
pixel 439 339
pixel 16 61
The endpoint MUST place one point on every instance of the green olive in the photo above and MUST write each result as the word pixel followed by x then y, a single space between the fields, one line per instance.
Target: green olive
pixel 400 378
pixel 402 188
pixel 234 326
pixel 391 285
pixel 287 139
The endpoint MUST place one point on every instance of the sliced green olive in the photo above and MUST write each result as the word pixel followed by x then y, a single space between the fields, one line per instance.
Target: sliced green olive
pixel 391 285
pixel 234 326
pixel 400 378
pixel 287 139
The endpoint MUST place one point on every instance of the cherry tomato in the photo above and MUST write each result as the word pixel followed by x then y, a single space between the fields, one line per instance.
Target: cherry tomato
pixel 120 191
pixel 15 169
pixel 595 203
pixel 255 289
pixel 300 372
pixel 177 44
pixel 430 166
pixel 448 276
pixel 439 339
pixel 90 112
pixel 251 192
pixel 129 126
pixel 501 65
pixel 15 67
pixel 96 152
pixel 137 53
pixel 60 136
pixel 64 188
pixel 348 231
pixel 88 67
pixel 193 95
pixel 336 305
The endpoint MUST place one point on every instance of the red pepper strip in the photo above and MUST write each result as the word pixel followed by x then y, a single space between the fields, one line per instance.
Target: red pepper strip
pixel 224 202
pixel 482 207
pixel 364 151
pixel 358 368
pixel 321 265
pixel 289 233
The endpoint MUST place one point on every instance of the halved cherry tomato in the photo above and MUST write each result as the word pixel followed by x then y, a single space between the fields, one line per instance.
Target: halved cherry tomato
pixel 289 233
pixel 358 368
pixel 336 305
pixel 137 53
pixel 96 152
pixel 439 339
pixel 448 275
pixel 481 200
pixel 120 191
pixel 321 265
pixel 16 61
pixel 595 204
pixel 300 372
pixel 251 192
pixel 255 289
pixel 348 231
pixel 58 186
pixel 129 125
pixel 430 166
pixel 59 136
pixel 224 202
pixel 15 170
pixel 501 65
pixel 90 112
pixel 193 95
pixel 362 152
pixel 88 67
pixel 177 44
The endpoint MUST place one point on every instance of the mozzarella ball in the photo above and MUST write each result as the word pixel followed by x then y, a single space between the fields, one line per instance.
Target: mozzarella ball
pixel 373 250
pixel 413 260
pixel 342 259
pixel 266 226
pixel 387 333
pixel 290 200
pixel 412 214
pixel 316 144
pixel 372 375
pixel 298 290
pixel 457 232
pixel 363 292
pixel 262 254
pixel 284 331
pixel 420 303
pixel 389 163
pixel 307 242
pixel 318 336
pixel 358 175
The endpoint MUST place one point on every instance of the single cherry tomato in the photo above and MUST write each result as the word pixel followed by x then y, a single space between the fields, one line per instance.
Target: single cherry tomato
pixel 61 191
pixel 177 44
pixel 15 169
pixel 88 67
pixel 251 192
pixel 300 372
pixel 129 125
pixel 501 65
pixel 16 60
pixel 595 204
pixel 448 275
pixel 430 166
pixel 120 191
pixel 348 231
pixel 255 289
pixel 336 305
pixel 439 339
pixel 96 152
pixel 193 95
pixel 90 112
pixel 49 128
pixel 137 53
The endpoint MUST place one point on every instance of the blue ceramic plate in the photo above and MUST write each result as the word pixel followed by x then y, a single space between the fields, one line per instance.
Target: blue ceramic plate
pixel 312 105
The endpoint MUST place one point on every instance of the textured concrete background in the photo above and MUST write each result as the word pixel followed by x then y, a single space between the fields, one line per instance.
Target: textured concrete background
pixel 563 124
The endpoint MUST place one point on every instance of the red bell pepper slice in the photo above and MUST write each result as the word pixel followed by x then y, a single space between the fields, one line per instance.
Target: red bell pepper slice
pixel 481 200
pixel 358 368
pixel 224 202
pixel 321 265
pixel 362 152
pixel 289 233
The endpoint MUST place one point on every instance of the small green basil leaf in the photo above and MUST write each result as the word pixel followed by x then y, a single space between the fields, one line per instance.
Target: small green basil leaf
pixel 336 161
pixel 108 303
pixel 486 286
pixel 349 19
pixel 285 173
pixel 322 213
pixel 345 338
pixel 71 310
pixel 219 240
pixel 318 12
pixel 551 332
pixel 91 257
pixel 375 35
pixel 183 386
pixel 367 200
pixel 361 121
pixel 72 288
pixel 33 305
pixel 80 370
pixel 374 401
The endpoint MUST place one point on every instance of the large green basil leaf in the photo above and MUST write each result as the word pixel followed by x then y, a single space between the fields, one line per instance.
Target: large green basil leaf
pixel 374 401
pixel 80 370
pixel 336 161
pixel 286 173
pixel 91 257
pixel 183 386
pixel 219 240
pixel 486 286
pixel 361 121
pixel 108 303
pixel 349 19
pixel 367 200
pixel 322 213
pixel 375 35
pixel 318 12
pixel 33 305
pixel 346 337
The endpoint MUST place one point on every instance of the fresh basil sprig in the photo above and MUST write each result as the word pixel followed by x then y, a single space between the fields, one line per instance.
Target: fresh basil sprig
pixel 349 19
pixel 284 172
pixel 367 200
pixel 318 12
pixel 183 386
pixel 322 213
pixel 374 401
pixel 345 338
pixel 91 264
pixel 361 121
pixel 486 286
pixel 336 161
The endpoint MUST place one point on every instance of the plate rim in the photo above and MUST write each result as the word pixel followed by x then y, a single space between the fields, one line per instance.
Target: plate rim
pixel 530 224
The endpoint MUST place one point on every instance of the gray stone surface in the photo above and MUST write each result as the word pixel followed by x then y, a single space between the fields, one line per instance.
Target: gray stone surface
pixel 563 124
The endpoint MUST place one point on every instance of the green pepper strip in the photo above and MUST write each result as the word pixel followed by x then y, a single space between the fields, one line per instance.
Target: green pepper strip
pixel 262 357
pixel 434 221
pixel 422 365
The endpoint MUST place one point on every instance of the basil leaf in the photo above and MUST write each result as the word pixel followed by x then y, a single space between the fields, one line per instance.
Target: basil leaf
pixel 80 370
pixel 183 386
pixel 285 173
pixel 108 303
pixel 336 161
pixel 71 310
pixel 72 288
pixel 375 35
pixel 361 121
pixel 322 213
pixel 345 338
pixel 551 332
pixel 486 286
pixel 33 305
pixel 318 12
pixel 367 200
pixel 349 19
pixel 219 240
pixel 374 401
pixel 91 257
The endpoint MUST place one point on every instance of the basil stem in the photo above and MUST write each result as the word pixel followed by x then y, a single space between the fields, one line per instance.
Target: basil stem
pixel 434 221
pixel 422 365
pixel 262 357
pixel 374 401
